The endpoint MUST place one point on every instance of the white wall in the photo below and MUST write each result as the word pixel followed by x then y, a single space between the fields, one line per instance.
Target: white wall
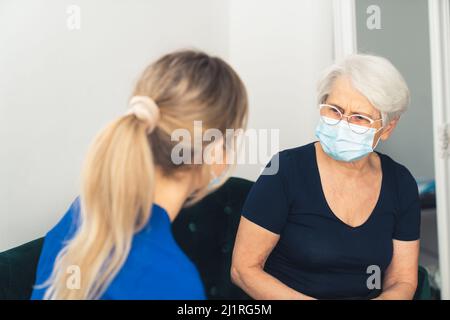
pixel 279 49
pixel 59 87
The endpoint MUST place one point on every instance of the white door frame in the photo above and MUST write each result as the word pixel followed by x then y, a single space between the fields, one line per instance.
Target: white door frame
pixel 344 23
pixel 439 24
pixel 345 42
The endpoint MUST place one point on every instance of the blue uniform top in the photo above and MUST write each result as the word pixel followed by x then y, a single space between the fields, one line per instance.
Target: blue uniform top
pixel 156 267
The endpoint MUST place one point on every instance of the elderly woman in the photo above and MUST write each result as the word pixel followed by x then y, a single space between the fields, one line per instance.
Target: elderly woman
pixel 338 220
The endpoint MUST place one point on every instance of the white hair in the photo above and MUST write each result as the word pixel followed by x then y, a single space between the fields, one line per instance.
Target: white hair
pixel 375 78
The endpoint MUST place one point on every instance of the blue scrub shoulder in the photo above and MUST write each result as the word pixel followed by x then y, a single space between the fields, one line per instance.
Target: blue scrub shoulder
pixel 156 267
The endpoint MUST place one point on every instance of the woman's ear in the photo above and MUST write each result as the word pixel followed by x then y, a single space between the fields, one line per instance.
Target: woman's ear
pixel 387 131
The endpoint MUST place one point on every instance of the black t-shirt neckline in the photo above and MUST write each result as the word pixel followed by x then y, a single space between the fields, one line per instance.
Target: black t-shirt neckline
pixel 324 199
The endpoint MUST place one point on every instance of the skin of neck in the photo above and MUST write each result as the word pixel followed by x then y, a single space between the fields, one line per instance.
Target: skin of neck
pixel 171 192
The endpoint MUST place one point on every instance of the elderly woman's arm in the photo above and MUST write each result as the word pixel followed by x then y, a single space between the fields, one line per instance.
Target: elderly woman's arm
pixel 400 281
pixel 253 246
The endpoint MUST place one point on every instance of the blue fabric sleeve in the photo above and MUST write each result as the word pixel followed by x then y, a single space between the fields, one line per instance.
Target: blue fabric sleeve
pixel 54 241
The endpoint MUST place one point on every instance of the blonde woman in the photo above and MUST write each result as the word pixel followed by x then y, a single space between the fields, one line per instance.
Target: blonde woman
pixel 115 241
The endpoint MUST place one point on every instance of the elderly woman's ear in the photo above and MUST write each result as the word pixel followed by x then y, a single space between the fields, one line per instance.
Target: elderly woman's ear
pixel 389 129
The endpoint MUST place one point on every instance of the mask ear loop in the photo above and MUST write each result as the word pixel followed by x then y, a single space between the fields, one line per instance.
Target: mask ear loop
pixel 379 138
pixel 383 119
pixel 203 192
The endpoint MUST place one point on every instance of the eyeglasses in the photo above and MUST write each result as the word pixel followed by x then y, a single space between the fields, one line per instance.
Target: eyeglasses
pixel 358 123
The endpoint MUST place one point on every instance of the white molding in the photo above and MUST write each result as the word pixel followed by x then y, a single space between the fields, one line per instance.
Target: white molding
pixel 344 21
pixel 439 23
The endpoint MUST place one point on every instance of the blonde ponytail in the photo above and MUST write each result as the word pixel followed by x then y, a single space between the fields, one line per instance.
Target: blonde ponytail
pixel 119 172
pixel 117 194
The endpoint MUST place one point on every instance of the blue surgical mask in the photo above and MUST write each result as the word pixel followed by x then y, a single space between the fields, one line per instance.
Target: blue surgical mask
pixel 342 144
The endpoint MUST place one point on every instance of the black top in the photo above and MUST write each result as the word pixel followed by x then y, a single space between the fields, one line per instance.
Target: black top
pixel 317 253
